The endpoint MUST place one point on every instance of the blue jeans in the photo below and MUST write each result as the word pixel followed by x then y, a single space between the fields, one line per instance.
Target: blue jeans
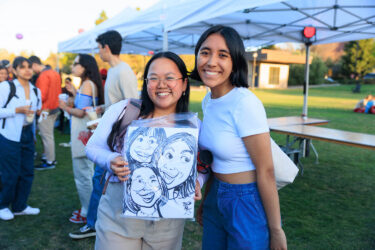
pixel 17 167
pixel 234 218
pixel 95 196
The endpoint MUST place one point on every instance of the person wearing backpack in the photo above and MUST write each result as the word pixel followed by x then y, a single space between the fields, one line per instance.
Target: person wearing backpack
pixel 19 100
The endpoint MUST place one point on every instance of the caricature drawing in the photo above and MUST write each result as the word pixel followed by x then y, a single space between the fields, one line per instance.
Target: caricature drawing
pixel 176 160
pixel 163 173
pixel 145 193
pixel 142 143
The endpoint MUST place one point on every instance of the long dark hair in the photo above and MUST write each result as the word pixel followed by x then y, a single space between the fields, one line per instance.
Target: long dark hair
pixel 91 72
pixel 238 77
pixel 147 105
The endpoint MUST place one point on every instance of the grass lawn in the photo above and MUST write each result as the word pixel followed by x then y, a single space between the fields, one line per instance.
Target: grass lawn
pixel 332 206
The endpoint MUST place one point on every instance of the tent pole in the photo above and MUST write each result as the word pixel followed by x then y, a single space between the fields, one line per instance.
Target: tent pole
pixel 306 82
pixel 165 40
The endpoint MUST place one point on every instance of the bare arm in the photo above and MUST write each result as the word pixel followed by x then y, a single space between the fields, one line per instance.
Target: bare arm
pixel 259 148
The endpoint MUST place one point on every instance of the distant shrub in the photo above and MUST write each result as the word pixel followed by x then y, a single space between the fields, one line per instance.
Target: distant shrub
pixel 318 70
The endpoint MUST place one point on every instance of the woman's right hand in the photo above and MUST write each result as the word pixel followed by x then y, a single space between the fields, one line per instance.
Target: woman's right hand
pixel 278 239
pixel 24 110
pixel 118 168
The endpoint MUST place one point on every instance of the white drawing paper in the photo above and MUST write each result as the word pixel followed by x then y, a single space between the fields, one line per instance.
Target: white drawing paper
pixel 163 171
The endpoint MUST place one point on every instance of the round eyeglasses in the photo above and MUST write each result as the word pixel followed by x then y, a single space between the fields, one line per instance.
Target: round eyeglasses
pixel 170 81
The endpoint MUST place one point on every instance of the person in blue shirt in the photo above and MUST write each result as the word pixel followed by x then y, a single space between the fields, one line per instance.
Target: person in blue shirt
pixel 90 94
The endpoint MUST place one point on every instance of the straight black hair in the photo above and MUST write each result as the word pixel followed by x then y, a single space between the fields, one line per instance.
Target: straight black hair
pixel 35 59
pixel 147 105
pixel 183 102
pixel 91 72
pixel 238 77
pixel 19 60
pixel 113 39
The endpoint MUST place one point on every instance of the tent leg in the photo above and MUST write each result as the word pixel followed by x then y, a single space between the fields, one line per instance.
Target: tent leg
pixel 165 41
pixel 306 82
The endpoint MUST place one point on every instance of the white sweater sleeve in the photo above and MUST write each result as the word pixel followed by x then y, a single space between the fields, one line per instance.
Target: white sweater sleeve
pixel 97 149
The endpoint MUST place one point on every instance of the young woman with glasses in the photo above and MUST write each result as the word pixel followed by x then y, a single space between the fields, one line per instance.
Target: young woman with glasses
pixel 165 91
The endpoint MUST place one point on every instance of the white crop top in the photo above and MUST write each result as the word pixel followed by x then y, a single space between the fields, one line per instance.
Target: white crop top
pixel 226 120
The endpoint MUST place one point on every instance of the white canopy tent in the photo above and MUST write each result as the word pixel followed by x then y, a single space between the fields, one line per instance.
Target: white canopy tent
pixel 334 20
pixel 178 24
pixel 149 30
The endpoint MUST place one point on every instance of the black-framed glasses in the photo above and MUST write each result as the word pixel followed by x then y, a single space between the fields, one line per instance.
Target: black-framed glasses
pixel 170 81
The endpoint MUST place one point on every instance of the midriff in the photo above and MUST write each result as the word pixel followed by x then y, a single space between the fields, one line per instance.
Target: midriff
pixel 238 178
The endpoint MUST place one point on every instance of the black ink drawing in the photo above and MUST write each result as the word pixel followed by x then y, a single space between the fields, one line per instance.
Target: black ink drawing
pixel 163 185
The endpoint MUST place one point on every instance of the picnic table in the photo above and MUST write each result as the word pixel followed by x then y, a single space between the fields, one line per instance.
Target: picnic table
pixel 303 131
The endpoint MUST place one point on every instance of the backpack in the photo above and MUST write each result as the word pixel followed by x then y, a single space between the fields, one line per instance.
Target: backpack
pixel 12 93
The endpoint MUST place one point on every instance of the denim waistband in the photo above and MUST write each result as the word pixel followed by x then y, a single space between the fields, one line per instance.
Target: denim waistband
pixel 238 189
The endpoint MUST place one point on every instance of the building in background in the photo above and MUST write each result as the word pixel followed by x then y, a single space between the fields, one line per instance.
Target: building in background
pixel 271 67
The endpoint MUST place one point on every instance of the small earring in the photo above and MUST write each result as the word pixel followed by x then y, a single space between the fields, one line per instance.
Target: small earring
pixel 183 93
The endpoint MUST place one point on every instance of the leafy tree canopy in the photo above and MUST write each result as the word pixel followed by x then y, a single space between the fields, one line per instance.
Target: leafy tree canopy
pixel 359 58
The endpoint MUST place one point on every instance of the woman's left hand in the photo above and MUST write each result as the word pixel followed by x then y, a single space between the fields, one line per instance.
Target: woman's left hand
pixel 278 239
pixel 198 193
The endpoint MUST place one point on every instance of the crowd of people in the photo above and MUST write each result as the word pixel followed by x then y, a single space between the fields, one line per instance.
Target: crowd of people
pixel 240 207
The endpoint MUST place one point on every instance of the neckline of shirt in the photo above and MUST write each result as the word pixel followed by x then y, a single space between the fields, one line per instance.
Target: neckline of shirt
pixel 222 98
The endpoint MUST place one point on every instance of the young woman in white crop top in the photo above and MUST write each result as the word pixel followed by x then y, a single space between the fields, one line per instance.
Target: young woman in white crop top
pixel 241 210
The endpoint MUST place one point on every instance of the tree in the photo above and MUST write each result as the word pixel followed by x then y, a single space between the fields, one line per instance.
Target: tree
pixel 102 18
pixel 318 70
pixel 67 60
pixel 359 58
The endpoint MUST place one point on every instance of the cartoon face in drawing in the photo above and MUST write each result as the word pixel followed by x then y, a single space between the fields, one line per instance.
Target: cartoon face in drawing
pixel 175 163
pixel 145 187
pixel 143 142
pixel 176 159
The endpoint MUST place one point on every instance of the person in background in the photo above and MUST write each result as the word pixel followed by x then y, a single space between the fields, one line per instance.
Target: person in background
pixel 17 142
pixel 3 73
pixel 370 105
pixel 8 66
pixel 49 83
pixel 121 83
pixel 70 90
pixel 103 74
pixel 89 94
pixel 241 210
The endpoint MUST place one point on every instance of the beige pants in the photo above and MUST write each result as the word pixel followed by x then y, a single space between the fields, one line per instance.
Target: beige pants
pixel 46 133
pixel 83 170
pixel 115 232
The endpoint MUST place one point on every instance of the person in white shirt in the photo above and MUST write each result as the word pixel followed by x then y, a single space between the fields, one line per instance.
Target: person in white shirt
pixel 165 91
pixel 17 141
pixel 241 210
pixel 121 82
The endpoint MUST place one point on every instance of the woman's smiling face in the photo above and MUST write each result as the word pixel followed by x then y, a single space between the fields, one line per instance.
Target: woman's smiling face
pixel 145 188
pixel 175 163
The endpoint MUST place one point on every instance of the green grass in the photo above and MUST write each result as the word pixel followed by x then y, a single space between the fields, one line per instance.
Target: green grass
pixel 330 207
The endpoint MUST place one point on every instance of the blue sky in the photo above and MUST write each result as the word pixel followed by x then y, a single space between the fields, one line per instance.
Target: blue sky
pixel 44 23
